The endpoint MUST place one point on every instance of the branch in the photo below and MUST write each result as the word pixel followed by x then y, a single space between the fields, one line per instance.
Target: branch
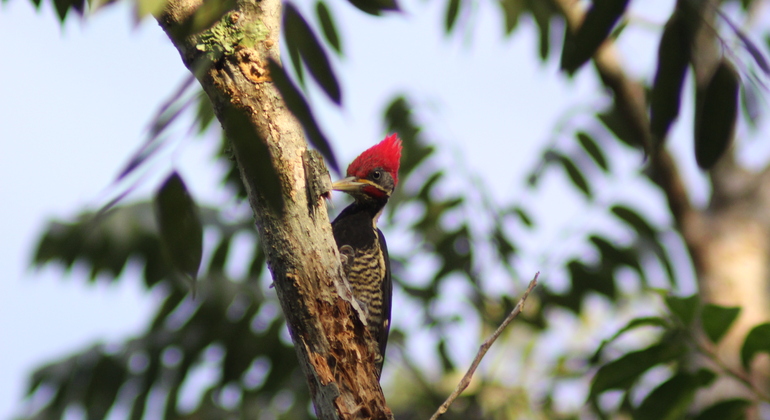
pixel 466 380
pixel 289 208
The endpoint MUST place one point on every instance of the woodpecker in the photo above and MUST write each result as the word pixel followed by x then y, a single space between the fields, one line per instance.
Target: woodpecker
pixel 371 179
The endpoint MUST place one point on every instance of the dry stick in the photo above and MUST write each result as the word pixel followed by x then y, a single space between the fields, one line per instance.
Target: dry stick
pixel 483 351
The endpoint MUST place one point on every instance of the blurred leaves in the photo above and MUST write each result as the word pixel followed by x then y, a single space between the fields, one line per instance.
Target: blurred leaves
pixel 581 44
pixel 302 37
pixel 329 28
pixel 757 341
pixel 542 12
pixel 298 106
pixel 375 7
pixel 673 59
pixel 181 232
pixel 717 320
pixel 716 115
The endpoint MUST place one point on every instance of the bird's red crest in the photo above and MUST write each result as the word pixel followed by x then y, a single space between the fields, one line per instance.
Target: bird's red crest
pixel 385 154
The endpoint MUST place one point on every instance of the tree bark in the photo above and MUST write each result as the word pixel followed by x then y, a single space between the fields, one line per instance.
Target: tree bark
pixel 301 253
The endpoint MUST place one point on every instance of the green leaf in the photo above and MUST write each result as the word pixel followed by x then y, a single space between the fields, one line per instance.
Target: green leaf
pixel 300 108
pixel 149 7
pixel 593 150
pixel 683 308
pixel 717 115
pixel 375 7
pixel 612 256
pixel 63 7
pixel 717 320
pixel 512 9
pixel 575 175
pixel 673 59
pixel 328 26
pixel 453 7
pixel 179 225
pixel 204 115
pixel 624 371
pixel 633 219
pixel 757 340
pixel 614 120
pixel 292 46
pixel 672 398
pixel 734 409
pixel 597 25
pixel 523 216
pixel 312 52
pixel 651 321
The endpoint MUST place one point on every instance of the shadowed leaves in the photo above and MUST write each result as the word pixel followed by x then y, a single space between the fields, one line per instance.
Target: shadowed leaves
pixel 716 116
pixel 757 341
pixel 298 106
pixel 328 26
pixel 375 7
pixel 717 320
pixel 673 59
pixel 299 33
pixel 581 44
pixel 179 225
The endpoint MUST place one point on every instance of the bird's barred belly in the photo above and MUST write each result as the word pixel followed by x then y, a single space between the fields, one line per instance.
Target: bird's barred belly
pixel 365 273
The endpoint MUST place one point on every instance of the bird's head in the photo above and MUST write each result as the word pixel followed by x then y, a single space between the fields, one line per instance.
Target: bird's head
pixel 373 175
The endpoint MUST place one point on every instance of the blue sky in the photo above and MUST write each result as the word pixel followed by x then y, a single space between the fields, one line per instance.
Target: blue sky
pixel 76 101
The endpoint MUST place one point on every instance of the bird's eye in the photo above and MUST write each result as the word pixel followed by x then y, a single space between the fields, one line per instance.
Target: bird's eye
pixel 377 174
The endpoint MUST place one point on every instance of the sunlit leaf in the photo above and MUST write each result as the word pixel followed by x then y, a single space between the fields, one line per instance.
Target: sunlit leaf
pixel 718 113
pixel 149 7
pixel 717 320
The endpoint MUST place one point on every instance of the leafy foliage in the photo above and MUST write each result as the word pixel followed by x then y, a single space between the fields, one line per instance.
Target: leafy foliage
pixel 232 323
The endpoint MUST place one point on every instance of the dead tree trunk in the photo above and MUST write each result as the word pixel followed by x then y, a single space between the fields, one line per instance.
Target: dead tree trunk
pixel 301 253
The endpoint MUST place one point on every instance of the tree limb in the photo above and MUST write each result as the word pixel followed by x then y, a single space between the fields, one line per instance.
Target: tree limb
pixel 466 380
pixel 301 253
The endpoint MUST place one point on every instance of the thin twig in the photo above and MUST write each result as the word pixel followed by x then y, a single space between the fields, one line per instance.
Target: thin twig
pixel 483 351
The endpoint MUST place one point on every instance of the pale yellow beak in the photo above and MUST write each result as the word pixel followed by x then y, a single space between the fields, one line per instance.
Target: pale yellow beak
pixel 350 183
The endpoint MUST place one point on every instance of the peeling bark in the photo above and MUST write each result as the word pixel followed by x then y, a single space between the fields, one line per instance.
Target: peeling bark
pixel 327 332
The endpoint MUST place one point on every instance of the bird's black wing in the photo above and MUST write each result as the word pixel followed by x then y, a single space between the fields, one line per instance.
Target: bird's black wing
pixel 387 299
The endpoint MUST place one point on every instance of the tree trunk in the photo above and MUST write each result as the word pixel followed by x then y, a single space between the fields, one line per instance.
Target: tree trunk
pixel 301 253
